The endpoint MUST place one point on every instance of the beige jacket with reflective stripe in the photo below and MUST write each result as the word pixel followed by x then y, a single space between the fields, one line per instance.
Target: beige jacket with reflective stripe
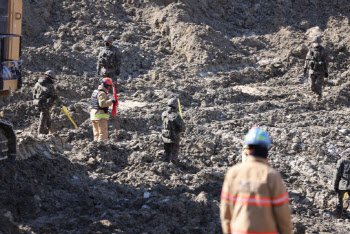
pixel 254 200
pixel 103 101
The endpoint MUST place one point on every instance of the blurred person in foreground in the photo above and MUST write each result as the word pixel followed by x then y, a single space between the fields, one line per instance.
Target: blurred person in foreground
pixel 254 198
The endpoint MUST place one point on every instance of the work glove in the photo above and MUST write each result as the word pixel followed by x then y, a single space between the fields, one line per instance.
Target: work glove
pixel 326 75
pixel 114 101
pixel 305 71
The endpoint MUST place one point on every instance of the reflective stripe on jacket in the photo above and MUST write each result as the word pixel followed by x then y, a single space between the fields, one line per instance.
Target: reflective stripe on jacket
pixel 243 232
pixel 254 200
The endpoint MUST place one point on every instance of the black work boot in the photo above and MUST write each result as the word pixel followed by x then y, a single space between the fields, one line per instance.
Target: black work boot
pixel 319 97
pixel 338 212
pixel 174 162
pixel 339 215
pixel 166 157
pixel 173 159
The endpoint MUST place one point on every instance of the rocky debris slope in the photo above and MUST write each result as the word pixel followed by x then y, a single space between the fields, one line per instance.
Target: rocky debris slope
pixel 233 64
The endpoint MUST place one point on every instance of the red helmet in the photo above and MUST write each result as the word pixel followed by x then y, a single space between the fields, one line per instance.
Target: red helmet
pixel 107 81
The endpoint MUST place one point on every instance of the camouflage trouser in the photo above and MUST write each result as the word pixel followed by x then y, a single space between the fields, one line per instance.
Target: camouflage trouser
pixel 171 152
pixel 44 121
pixel 316 83
pixel 339 207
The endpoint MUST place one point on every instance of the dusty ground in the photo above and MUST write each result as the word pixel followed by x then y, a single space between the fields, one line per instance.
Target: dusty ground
pixel 233 64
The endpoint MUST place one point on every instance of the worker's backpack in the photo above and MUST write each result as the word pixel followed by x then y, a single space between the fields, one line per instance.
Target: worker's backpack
pixel 168 127
pixel 42 97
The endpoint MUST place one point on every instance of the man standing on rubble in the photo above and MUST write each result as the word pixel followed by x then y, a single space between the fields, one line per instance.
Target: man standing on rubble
pixel 44 97
pixel 341 180
pixel 317 65
pixel 99 109
pixel 108 63
pixel 254 198
pixel 173 125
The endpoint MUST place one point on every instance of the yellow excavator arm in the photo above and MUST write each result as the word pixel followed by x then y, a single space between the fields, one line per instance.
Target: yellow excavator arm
pixel 10 69
pixel 10 45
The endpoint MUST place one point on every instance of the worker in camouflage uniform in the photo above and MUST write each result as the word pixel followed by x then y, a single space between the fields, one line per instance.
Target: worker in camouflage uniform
pixel 99 109
pixel 44 97
pixel 173 125
pixel 341 180
pixel 317 65
pixel 108 63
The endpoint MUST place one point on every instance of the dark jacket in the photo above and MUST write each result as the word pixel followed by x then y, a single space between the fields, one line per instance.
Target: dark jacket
pixel 109 59
pixel 45 94
pixel 341 179
pixel 173 125
pixel 317 60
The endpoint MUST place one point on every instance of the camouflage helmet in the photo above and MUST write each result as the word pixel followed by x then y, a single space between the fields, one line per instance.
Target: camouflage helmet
pixel 108 38
pixel 51 74
pixel 172 102
pixel 316 39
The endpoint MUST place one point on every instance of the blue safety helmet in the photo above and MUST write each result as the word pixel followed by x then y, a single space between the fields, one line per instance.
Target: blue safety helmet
pixel 257 136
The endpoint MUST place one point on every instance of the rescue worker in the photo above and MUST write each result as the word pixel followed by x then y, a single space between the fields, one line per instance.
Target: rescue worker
pixel 253 197
pixel 99 109
pixel 108 63
pixel 317 65
pixel 173 125
pixel 44 97
pixel 341 180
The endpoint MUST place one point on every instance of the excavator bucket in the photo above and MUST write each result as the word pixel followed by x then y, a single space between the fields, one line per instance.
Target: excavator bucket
pixel 30 145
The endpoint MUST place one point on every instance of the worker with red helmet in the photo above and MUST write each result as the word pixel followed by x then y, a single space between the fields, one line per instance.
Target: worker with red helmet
pixel 99 109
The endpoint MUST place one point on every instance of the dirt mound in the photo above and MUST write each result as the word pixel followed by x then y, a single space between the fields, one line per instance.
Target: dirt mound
pixel 233 64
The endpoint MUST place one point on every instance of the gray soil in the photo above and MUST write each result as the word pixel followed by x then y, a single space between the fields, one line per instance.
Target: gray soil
pixel 234 64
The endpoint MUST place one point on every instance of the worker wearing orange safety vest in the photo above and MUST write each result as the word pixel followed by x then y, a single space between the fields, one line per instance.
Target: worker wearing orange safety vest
pixel 254 198
pixel 99 109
